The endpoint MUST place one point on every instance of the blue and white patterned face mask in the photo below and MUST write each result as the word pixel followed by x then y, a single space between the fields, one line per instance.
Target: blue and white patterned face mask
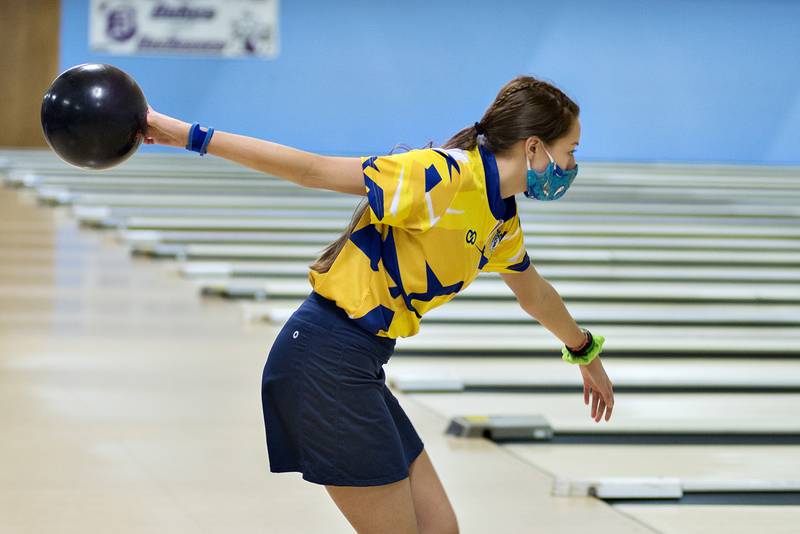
pixel 550 184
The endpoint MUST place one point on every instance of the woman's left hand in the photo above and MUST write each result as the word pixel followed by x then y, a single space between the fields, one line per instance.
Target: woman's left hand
pixel 597 383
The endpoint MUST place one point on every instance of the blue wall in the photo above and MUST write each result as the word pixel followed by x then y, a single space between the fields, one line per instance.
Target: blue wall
pixel 670 80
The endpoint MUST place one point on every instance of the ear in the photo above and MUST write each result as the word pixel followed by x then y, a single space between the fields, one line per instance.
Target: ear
pixel 532 145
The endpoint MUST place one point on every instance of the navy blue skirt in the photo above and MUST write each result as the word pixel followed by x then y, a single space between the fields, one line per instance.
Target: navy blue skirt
pixel 327 411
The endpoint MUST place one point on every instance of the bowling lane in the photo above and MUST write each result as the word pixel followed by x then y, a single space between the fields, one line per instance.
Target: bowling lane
pixel 664 414
pixel 698 468
pixel 668 519
pixel 254 269
pixel 413 373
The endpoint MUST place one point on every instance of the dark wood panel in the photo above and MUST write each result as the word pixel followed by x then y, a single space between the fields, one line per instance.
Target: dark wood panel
pixel 29 45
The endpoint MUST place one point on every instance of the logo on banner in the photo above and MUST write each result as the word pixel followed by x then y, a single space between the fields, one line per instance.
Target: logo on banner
pixel 242 28
pixel 121 23
pixel 255 37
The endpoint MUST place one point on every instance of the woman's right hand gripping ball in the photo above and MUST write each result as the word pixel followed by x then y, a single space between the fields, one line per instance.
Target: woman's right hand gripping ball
pixel 165 130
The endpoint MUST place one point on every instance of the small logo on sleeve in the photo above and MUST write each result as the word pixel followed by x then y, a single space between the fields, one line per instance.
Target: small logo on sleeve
pixel 496 240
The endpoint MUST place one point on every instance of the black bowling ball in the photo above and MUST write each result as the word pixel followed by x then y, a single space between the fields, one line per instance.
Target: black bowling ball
pixel 94 116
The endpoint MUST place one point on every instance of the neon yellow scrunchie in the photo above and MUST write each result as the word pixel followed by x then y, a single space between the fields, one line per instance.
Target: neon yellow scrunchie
pixel 586 359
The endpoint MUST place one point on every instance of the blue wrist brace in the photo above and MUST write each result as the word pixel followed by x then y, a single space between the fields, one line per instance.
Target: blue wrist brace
pixel 199 139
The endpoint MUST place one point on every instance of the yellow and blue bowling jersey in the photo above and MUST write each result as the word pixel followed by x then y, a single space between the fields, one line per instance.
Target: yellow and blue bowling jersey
pixel 435 221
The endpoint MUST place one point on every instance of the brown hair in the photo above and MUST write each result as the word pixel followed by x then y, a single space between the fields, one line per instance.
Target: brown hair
pixel 523 108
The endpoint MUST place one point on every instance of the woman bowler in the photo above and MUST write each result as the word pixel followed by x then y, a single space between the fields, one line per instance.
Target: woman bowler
pixel 432 220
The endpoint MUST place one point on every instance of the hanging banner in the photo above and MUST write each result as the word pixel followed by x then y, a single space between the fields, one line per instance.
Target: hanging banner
pixel 215 28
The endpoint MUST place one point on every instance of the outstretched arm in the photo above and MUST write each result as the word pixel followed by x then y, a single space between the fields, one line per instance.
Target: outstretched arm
pixel 303 168
pixel 542 302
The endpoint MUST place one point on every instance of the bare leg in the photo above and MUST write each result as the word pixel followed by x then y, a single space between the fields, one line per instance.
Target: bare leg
pixel 434 511
pixel 387 509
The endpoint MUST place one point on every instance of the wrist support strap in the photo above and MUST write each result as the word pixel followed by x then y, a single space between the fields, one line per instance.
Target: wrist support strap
pixel 199 139
pixel 587 354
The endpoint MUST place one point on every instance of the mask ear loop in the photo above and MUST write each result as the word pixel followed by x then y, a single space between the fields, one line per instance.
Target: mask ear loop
pixel 528 161
pixel 548 155
pixel 546 185
pixel 555 165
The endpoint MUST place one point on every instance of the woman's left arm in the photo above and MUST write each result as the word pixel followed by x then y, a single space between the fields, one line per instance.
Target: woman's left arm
pixel 542 302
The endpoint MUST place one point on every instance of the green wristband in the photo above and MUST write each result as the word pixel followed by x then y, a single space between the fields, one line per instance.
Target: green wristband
pixel 591 354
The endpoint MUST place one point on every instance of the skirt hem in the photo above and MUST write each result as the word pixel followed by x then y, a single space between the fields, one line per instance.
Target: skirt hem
pixel 342 482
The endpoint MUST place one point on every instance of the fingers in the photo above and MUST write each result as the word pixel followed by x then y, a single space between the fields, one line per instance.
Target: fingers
pixel 610 402
pixel 602 396
pixel 605 404
pixel 602 403
pixel 609 409
pixel 601 406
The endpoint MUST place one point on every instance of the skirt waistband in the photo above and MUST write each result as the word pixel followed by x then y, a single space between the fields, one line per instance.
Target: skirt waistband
pixel 337 315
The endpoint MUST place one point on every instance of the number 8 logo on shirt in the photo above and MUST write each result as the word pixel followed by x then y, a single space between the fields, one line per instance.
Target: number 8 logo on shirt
pixel 472 235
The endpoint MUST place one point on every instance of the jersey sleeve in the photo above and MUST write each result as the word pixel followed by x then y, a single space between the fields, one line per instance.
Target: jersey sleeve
pixel 413 189
pixel 509 255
